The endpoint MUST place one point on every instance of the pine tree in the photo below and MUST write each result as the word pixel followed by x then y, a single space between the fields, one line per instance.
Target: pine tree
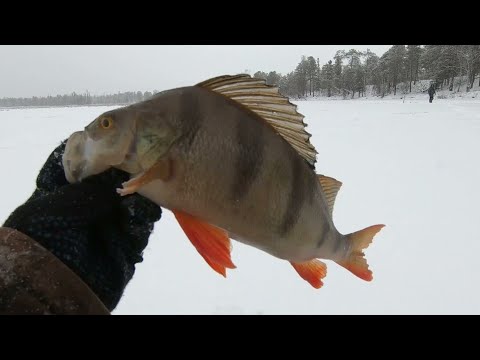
pixel 301 77
pixel 273 78
pixel 337 71
pixel 413 57
pixel 328 77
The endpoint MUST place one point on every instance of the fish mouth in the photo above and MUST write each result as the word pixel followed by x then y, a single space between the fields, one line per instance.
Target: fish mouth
pixel 74 173
pixel 82 158
pixel 74 162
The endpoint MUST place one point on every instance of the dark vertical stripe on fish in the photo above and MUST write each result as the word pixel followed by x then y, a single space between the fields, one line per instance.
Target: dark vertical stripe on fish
pixel 311 186
pixel 190 117
pixel 249 159
pixel 338 243
pixel 296 198
pixel 322 237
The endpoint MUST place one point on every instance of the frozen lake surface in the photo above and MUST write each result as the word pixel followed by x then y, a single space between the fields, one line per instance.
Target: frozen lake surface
pixel 412 166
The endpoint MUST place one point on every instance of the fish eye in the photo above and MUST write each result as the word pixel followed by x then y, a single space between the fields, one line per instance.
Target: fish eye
pixel 106 122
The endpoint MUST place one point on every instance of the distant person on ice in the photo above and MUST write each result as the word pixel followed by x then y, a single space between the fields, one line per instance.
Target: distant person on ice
pixel 431 91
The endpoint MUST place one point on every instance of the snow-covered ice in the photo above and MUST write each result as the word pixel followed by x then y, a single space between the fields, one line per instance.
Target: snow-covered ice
pixel 410 165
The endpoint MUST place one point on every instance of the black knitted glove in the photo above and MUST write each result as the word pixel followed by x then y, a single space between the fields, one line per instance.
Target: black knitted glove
pixel 93 230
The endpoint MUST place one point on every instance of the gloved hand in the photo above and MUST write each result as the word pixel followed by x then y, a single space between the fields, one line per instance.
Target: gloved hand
pixel 88 226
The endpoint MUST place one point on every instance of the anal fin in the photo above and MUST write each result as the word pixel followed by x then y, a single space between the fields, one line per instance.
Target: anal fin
pixel 212 243
pixel 312 271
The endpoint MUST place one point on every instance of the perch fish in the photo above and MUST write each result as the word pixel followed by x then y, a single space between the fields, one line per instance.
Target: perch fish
pixel 231 159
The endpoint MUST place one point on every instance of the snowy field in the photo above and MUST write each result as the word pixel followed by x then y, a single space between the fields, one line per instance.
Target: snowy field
pixel 410 165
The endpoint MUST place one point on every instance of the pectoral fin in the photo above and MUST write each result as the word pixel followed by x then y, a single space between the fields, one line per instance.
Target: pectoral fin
pixel 212 243
pixel 162 170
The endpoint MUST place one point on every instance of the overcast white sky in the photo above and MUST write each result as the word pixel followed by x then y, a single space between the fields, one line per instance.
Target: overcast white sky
pixel 41 70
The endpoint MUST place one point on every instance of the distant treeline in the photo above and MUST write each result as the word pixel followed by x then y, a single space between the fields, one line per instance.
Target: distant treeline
pixel 350 72
pixel 78 99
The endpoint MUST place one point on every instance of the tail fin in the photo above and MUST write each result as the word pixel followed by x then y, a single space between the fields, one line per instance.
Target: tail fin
pixel 356 263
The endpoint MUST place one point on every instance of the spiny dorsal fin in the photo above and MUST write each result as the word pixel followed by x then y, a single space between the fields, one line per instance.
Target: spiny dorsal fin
pixel 270 105
pixel 330 188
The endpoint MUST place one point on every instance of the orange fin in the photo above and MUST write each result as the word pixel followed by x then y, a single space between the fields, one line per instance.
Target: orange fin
pixel 216 267
pixel 312 271
pixel 211 242
pixel 356 263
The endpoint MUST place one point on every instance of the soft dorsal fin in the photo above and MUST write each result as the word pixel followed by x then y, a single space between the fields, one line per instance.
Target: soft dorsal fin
pixel 270 105
pixel 330 188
